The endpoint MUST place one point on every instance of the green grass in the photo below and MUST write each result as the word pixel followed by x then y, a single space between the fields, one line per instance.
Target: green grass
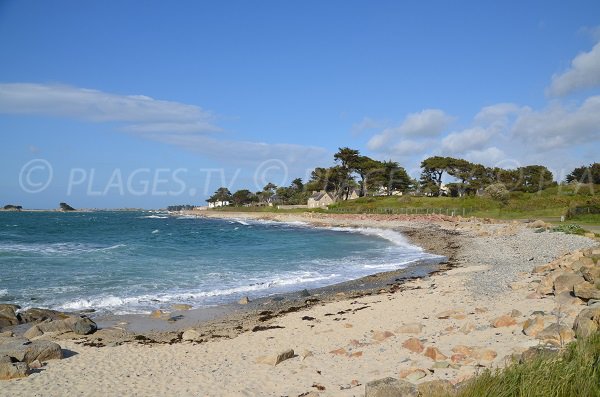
pixel 574 373
pixel 550 203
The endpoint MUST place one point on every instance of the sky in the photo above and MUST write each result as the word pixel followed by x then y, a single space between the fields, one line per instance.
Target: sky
pixel 144 104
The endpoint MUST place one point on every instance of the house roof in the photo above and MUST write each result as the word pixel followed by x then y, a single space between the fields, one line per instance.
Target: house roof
pixel 319 195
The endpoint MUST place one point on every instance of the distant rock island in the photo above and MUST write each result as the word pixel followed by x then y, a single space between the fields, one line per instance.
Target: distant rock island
pixel 66 207
pixel 11 207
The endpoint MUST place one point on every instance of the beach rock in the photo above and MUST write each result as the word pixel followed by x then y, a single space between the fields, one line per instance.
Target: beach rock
pixel 380 336
pixel 35 315
pixel 244 301
pixel 455 314
pixel 587 322
pixel 567 298
pixel 546 285
pixel 158 314
pixel 304 293
pixel 586 291
pixel 8 315
pixel 411 328
pixel 36 364
pixel 12 370
pixel 533 326
pixel 412 374
pixel 277 358
pixel 33 332
pixel 180 307
pixel 556 332
pixel 81 325
pixel 414 345
pixel 435 354
pixel 27 351
pixel 566 282
pixel 458 358
pixel 390 387
pixel 482 354
pixel 503 321
pixel 436 388
pixel 537 351
pixel 191 335
pixel 591 274
pixel 462 349
pixel 515 313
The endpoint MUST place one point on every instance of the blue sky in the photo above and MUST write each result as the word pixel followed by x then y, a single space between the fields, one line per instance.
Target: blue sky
pixel 145 104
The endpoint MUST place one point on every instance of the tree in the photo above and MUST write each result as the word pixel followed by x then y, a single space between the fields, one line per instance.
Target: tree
pixel 498 192
pixel 267 193
pixel 583 174
pixel 394 177
pixel 534 178
pixel 433 170
pixel 222 194
pixel 366 168
pixel 243 197
pixel 333 180
pixel 348 159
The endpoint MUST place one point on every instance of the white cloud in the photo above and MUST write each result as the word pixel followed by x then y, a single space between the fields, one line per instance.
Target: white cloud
pixel 584 72
pixel 411 147
pixel 168 122
pixel 498 113
pixel 144 113
pixel 427 123
pixel 464 141
pixel 558 127
pixel 491 156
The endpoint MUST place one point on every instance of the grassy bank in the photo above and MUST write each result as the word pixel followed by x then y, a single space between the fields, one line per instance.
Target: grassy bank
pixel 575 372
pixel 550 203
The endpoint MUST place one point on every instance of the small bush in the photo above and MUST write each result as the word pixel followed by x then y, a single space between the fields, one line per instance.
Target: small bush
pixel 498 192
pixel 569 229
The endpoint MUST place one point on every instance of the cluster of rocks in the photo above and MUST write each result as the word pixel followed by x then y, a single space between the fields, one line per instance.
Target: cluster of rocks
pixel 573 279
pixel 20 355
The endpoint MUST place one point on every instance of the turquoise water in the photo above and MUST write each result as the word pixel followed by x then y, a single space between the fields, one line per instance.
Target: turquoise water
pixel 134 262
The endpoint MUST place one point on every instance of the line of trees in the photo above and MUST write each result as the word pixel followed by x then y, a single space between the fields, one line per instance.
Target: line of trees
pixel 366 176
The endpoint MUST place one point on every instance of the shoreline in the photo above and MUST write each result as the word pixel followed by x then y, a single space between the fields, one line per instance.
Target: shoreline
pixel 440 327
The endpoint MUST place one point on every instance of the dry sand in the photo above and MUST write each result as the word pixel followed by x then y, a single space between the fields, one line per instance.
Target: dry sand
pixel 347 342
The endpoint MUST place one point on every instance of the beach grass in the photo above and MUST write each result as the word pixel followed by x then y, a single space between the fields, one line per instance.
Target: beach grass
pixel 573 373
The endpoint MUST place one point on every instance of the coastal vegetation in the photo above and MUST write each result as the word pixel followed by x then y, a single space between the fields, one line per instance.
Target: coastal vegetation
pixel 446 185
pixel 574 372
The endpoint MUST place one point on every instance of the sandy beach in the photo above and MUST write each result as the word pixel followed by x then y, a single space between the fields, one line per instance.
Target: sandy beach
pixel 446 326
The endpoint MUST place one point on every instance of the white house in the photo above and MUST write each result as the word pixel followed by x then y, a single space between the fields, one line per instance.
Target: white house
pixel 320 199
pixel 216 204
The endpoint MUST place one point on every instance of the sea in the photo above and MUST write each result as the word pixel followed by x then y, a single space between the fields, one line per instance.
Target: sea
pixel 127 262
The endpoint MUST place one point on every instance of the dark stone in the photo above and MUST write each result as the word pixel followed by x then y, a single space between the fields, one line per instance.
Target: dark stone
pixel 35 315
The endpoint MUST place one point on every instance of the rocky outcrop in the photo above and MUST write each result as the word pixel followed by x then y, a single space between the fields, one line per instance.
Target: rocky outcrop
pixel 65 207
pixel 35 315
pixel 12 370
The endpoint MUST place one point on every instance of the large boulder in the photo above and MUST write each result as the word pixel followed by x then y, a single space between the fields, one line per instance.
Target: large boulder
pixel 586 291
pixel 390 387
pixel 566 282
pixel 591 274
pixel 8 315
pixel 557 333
pixel 276 358
pixel 587 322
pixel 10 370
pixel 27 351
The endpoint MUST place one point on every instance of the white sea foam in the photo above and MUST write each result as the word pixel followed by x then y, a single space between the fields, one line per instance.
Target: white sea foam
pixel 56 248
pixel 3 292
pixel 153 217
pixel 155 231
